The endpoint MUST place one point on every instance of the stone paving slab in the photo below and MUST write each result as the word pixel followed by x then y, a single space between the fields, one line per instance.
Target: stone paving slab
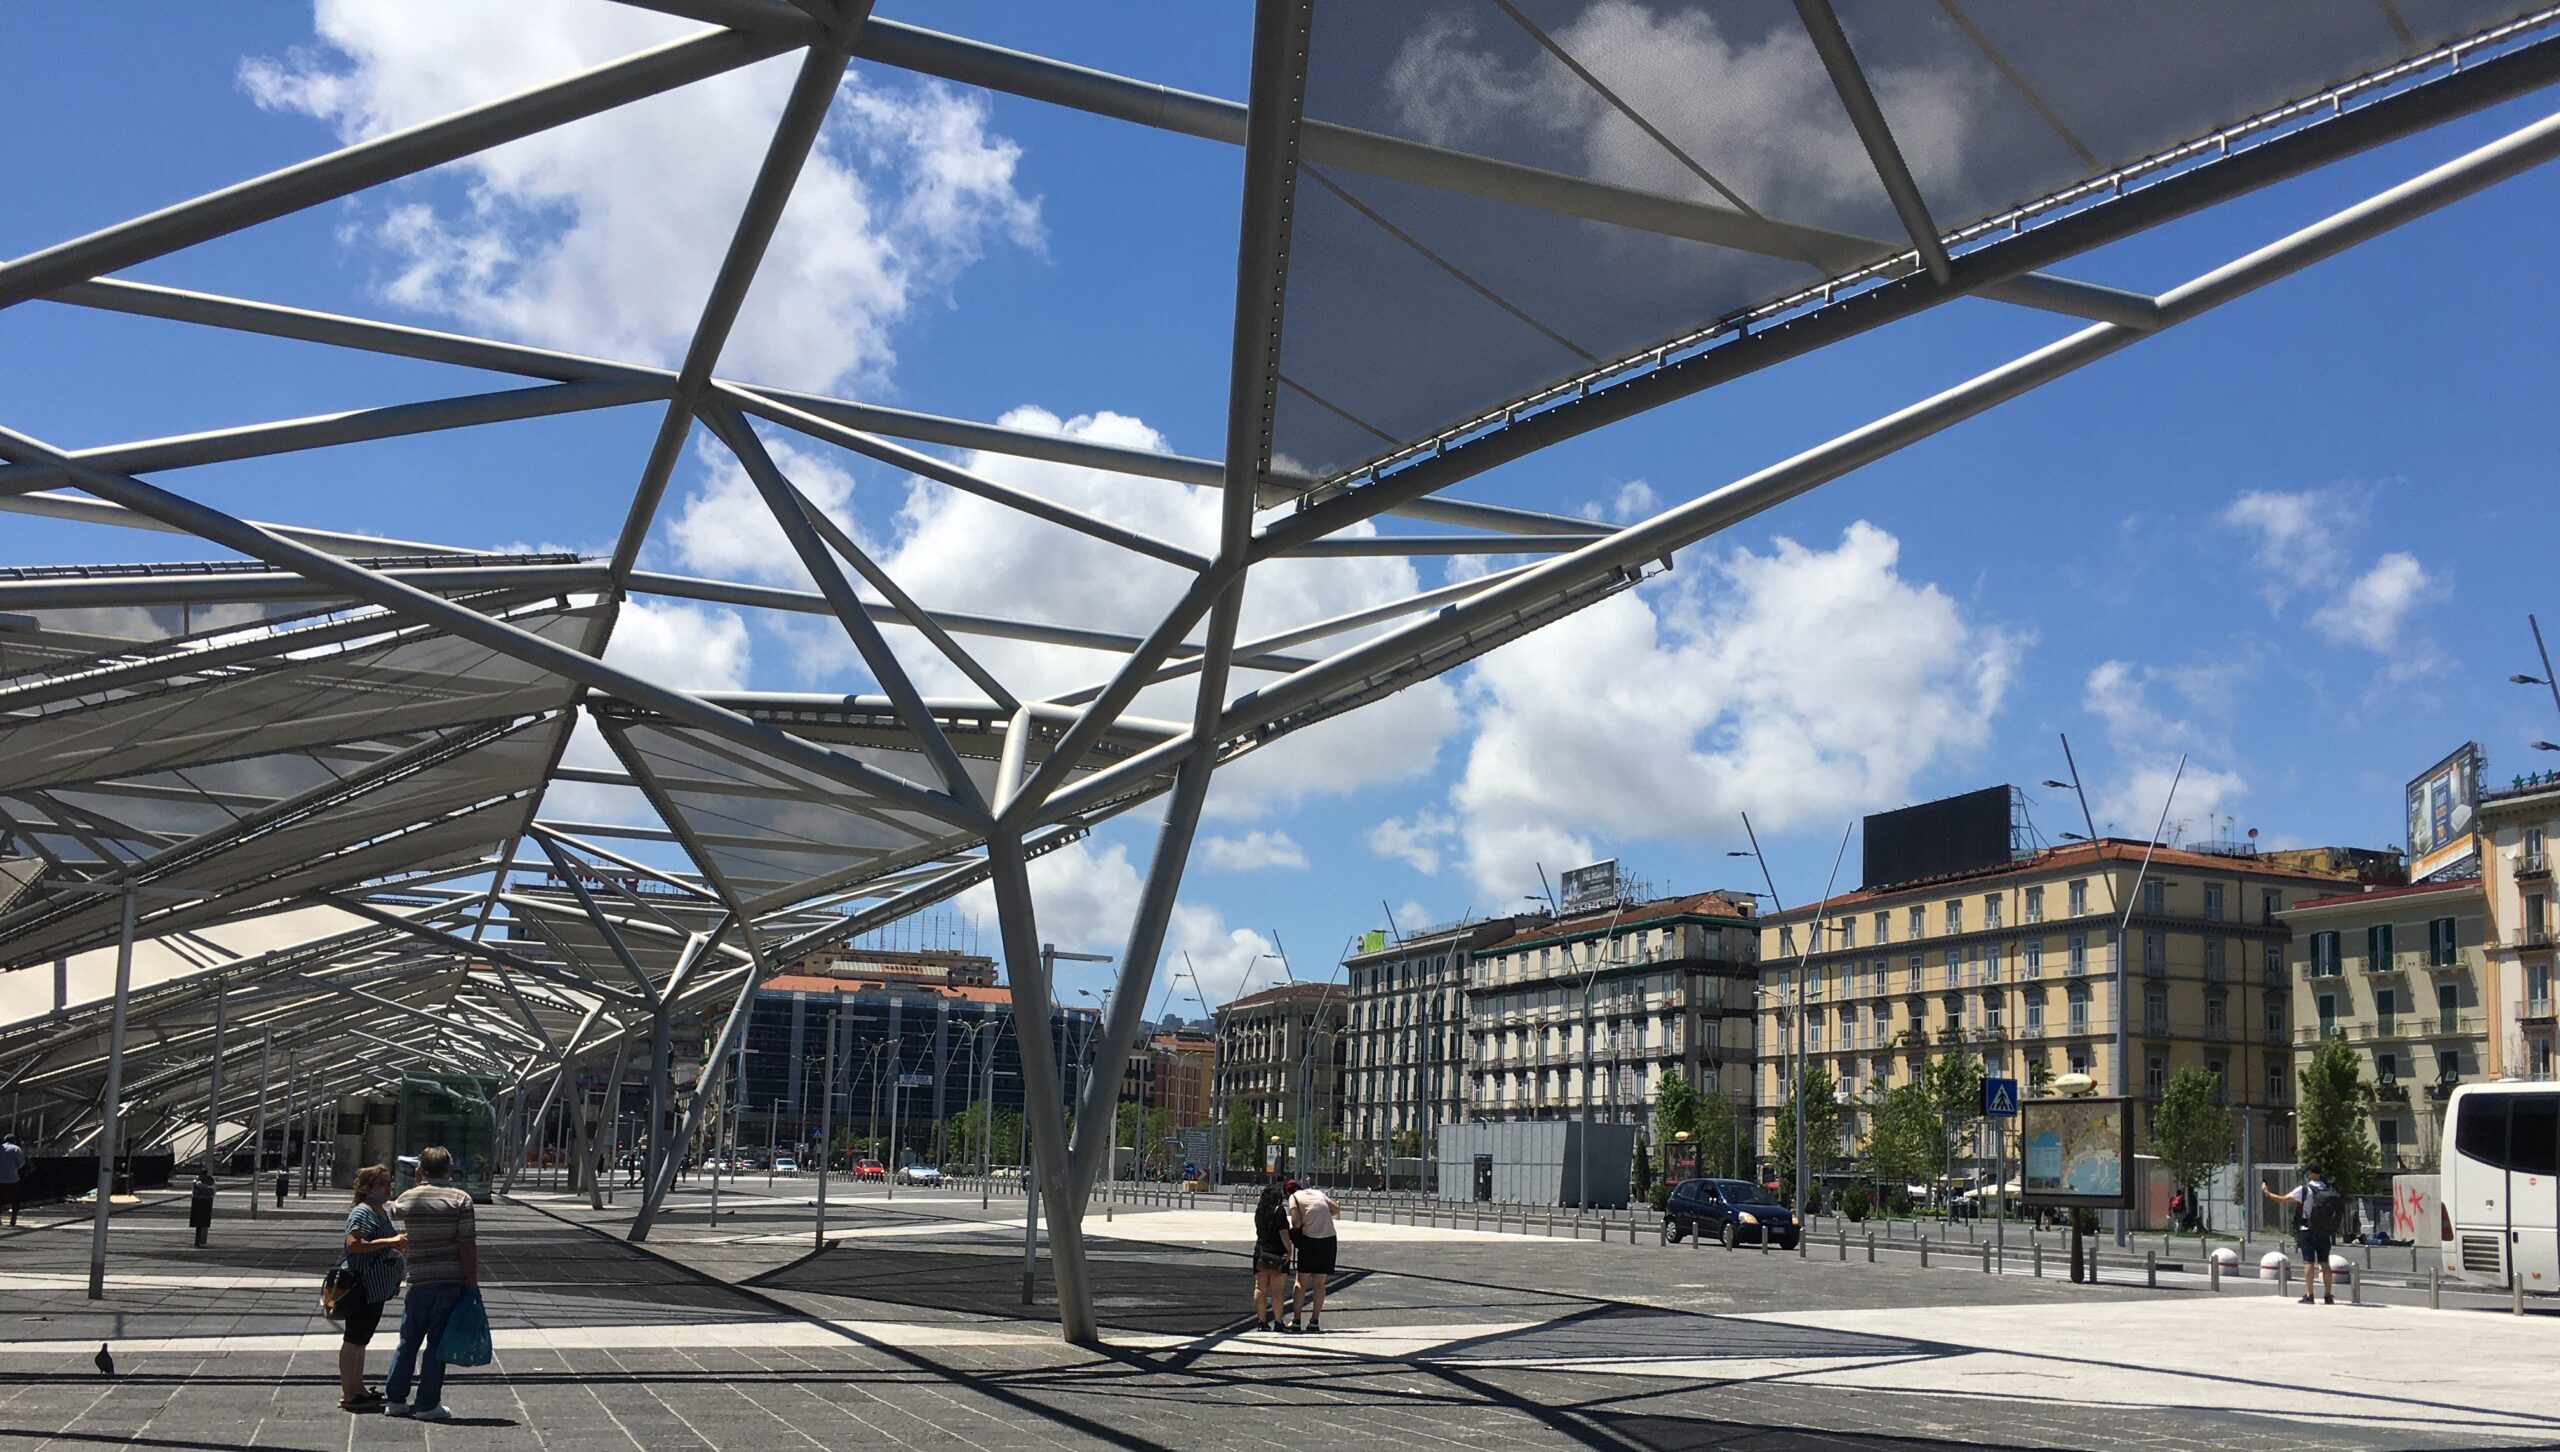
pixel 714 1338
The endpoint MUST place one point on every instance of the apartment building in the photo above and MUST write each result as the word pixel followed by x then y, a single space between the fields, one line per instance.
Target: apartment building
pixel 1170 1070
pixel 1632 992
pixel 1407 1028
pixel 2395 973
pixel 2018 962
pixel 1282 1055
pixel 2518 826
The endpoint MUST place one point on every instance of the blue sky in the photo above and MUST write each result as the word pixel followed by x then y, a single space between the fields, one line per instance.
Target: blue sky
pixel 2296 539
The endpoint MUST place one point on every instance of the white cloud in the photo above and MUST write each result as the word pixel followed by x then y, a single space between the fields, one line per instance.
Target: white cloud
pixel 1084 899
pixel 1762 107
pixel 1417 843
pixel 2147 741
pixel 2295 535
pixel 1255 851
pixel 1803 685
pixel 688 647
pixel 2300 548
pixel 603 236
pixel 960 552
pixel 723 528
pixel 2373 608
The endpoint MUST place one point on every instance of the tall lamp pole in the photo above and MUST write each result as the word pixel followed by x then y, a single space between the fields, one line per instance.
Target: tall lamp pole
pixel 2123 1075
pixel 1803 958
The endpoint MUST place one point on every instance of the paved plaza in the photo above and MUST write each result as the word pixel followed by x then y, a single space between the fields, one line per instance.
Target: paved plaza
pixel 909 1331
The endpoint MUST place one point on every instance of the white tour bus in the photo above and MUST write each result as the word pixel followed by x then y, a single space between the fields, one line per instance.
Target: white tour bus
pixel 2500 1190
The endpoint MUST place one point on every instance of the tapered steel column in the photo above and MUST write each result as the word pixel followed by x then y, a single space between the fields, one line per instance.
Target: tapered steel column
pixel 258 1156
pixel 1044 1123
pixel 609 1115
pixel 213 1091
pixel 827 1115
pixel 110 1119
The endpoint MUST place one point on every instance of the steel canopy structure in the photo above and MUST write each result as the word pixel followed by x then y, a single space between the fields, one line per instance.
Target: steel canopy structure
pixel 304 783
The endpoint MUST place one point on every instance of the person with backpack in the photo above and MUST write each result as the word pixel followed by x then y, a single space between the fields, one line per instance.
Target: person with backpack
pixel 1271 1247
pixel 2318 1211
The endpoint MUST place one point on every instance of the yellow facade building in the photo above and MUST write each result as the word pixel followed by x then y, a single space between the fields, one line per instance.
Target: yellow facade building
pixel 2018 963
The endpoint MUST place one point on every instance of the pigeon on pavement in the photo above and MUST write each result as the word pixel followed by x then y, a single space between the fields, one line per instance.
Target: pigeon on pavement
pixel 106 1363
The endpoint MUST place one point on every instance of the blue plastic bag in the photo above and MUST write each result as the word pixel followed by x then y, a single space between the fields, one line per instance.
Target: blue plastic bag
pixel 465 1341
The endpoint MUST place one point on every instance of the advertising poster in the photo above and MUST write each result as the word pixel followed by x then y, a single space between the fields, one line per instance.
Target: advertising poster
pixel 2077 1151
pixel 2443 822
pixel 1587 888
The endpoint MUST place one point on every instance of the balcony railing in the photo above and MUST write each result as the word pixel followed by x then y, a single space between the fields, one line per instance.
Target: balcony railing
pixel 2216 973
pixel 2532 865
pixel 2219 1033
pixel 2379 963
pixel 2454 1025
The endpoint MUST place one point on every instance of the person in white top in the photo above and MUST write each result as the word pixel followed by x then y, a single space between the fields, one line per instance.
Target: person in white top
pixel 1311 1213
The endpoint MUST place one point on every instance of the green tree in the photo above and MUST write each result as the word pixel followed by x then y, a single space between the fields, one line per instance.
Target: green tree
pixel 1953 1083
pixel 1906 1138
pixel 1715 1125
pixel 1675 1107
pixel 2336 1102
pixel 1821 1130
pixel 1243 1137
pixel 2191 1134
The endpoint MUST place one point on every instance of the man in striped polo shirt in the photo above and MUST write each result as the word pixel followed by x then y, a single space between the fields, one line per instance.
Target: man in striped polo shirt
pixel 444 1267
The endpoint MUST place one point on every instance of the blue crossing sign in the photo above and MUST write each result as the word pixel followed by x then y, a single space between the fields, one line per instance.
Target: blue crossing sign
pixel 1999 1098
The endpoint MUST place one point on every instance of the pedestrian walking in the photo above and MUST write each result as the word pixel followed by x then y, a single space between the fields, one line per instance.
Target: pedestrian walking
pixel 200 1205
pixel 372 1249
pixel 13 1172
pixel 1311 1213
pixel 1270 1255
pixel 444 1268
pixel 2318 1211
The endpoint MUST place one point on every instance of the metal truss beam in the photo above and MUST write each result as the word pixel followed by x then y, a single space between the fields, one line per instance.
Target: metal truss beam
pixel 803 113
pixel 385 158
pixel 1875 133
pixel 393 421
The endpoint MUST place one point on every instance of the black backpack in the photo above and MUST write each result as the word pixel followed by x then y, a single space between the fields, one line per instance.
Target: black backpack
pixel 2324 1211
pixel 1270 1222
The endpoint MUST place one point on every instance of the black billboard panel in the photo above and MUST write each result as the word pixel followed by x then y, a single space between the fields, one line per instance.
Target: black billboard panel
pixel 1933 839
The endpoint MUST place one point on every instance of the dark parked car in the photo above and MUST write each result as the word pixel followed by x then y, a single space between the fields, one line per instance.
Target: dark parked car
pixel 1736 1212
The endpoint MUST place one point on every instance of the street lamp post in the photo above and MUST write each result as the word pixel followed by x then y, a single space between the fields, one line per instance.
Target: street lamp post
pixel 2122 1076
pixel 1813 934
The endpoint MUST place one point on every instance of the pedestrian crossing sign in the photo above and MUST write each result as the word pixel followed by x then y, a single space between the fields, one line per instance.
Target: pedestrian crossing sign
pixel 1999 1098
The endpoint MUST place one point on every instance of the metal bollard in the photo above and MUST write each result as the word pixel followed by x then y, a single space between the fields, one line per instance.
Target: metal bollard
pixel 1986 1257
pixel 1871 1247
pixel 1844 1245
pixel 1764 1242
pixel 2039 1260
pixel 2213 1276
pixel 2151 1269
pixel 1924 1252
pixel 2093 1265
pixel 2435 1289
pixel 2515 1290
pixel 2355 1288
